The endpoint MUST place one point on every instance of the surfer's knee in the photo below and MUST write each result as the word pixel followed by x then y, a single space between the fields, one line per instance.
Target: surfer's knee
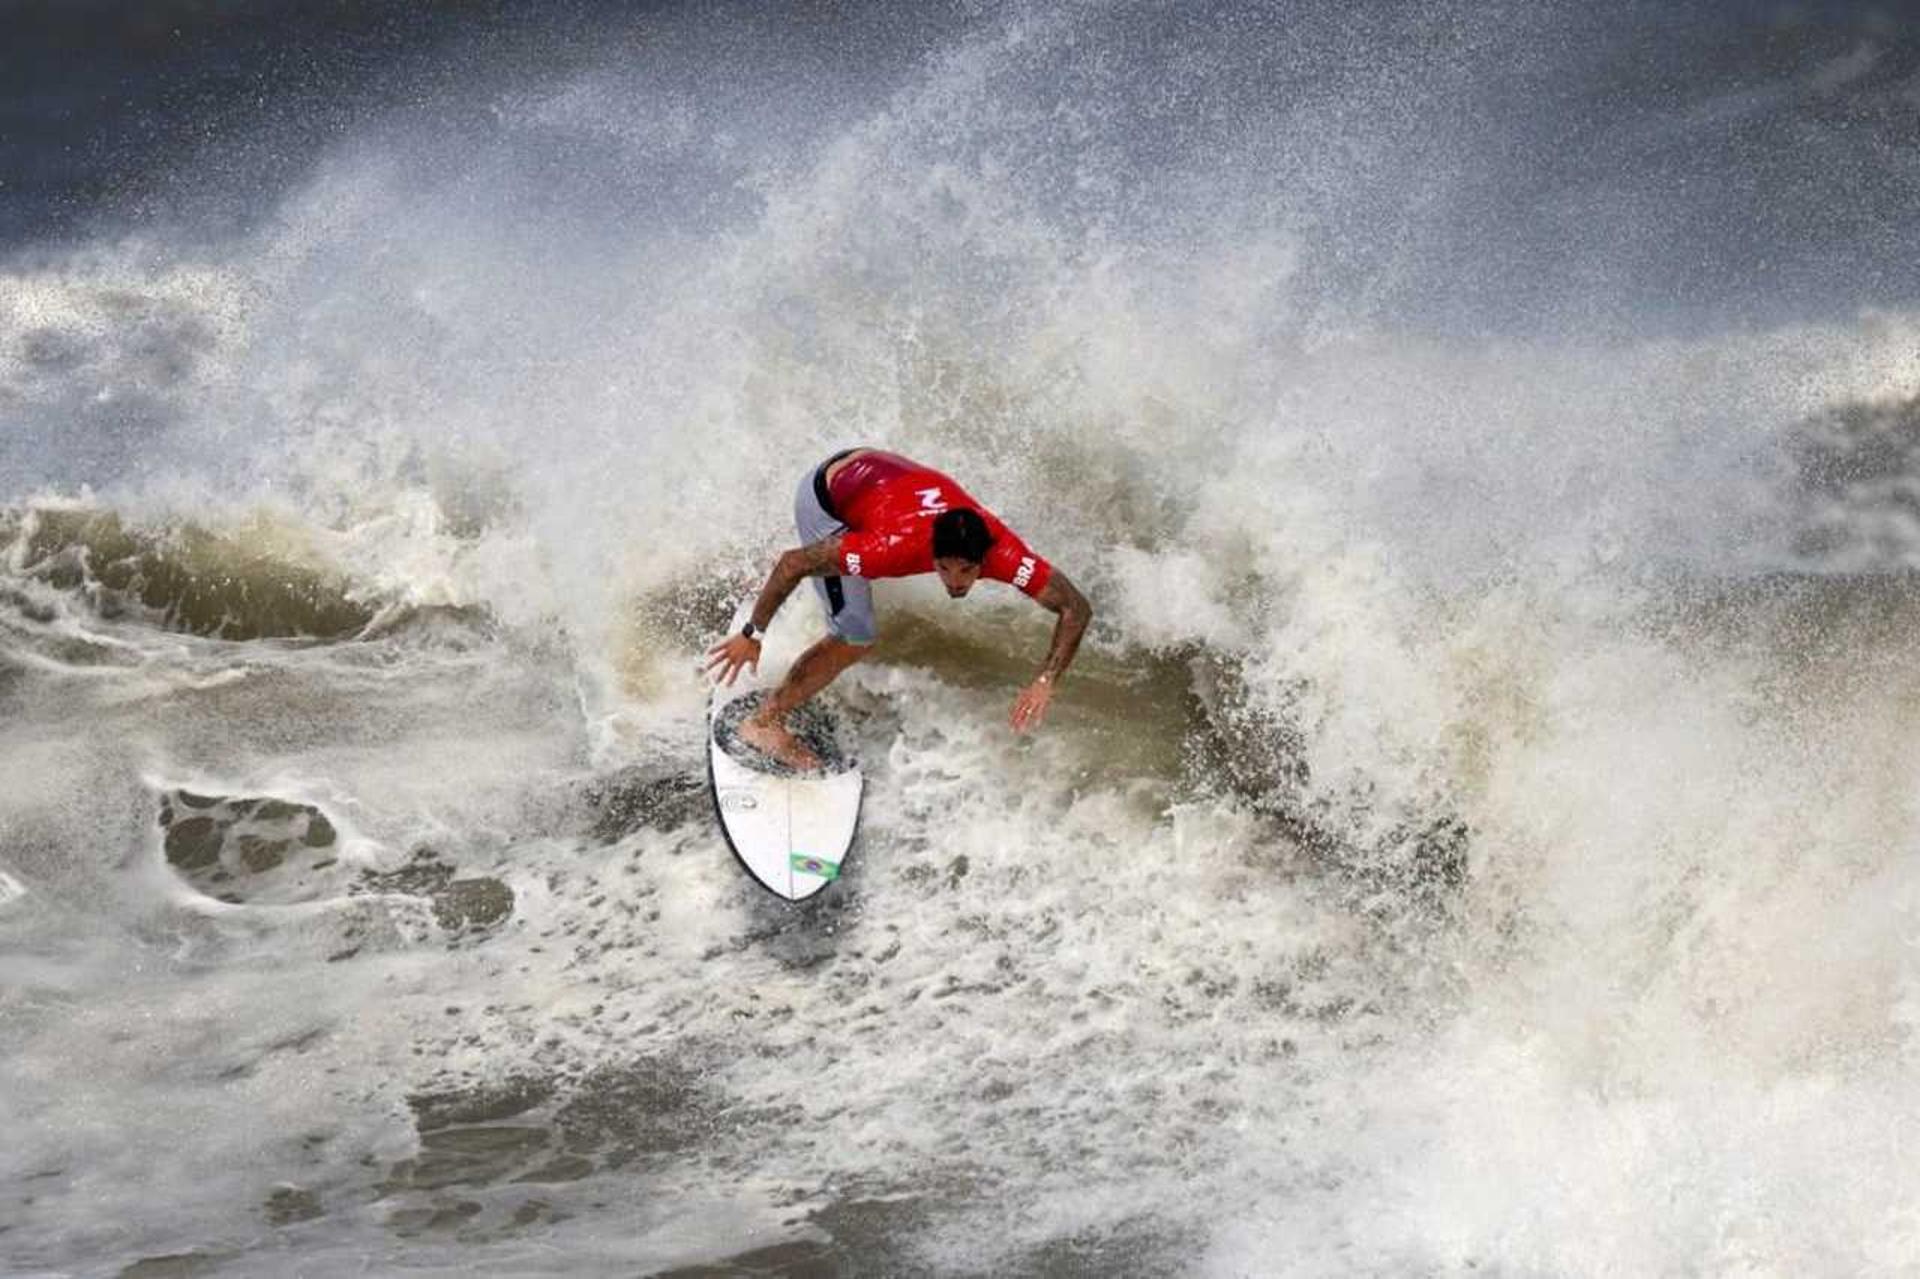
pixel 846 652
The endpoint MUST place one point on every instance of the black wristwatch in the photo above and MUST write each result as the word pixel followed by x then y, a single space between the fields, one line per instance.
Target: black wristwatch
pixel 750 631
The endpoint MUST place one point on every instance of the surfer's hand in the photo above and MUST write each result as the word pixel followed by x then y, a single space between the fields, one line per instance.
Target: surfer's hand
pixel 729 655
pixel 1031 706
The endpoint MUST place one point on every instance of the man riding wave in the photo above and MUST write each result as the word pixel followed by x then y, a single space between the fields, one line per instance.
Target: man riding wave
pixel 865 513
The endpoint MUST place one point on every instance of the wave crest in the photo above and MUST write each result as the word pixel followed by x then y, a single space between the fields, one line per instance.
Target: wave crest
pixel 250 583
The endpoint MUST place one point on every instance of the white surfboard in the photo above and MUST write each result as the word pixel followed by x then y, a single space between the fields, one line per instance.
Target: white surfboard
pixel 790 830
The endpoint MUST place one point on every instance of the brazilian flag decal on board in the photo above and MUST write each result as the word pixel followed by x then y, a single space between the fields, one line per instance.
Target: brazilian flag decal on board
pixel 815 866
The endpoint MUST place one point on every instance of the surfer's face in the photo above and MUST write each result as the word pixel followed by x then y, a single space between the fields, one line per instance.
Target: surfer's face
pixel 957 575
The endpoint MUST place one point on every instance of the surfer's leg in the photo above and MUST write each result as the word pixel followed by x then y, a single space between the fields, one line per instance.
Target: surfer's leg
pixel 766 729
pixel 850 621
pixel 812 671
pixel 848 602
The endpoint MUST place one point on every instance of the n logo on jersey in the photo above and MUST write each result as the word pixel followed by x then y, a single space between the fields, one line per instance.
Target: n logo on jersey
pixel 853 564
pixel 931 501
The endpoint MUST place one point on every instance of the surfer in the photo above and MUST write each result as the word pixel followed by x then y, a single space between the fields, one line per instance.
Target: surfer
pixel 865 513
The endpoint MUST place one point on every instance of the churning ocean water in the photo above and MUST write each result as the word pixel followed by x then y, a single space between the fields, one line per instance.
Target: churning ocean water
pixel 1479 833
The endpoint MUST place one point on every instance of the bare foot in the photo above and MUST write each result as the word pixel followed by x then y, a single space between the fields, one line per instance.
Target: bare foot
pixel 777 742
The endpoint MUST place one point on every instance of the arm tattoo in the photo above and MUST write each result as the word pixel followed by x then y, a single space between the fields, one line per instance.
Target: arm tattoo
pixel 817 559
pixel 1061 596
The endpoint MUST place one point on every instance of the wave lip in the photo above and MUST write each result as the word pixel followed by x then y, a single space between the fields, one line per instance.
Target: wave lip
pixel 243 585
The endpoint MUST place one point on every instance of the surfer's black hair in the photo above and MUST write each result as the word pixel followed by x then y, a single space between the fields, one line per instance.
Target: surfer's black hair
pixel 960 534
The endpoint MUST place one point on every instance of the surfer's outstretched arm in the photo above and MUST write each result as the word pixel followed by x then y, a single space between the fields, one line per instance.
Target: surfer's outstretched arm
pixel 1061 597
pixel 735 651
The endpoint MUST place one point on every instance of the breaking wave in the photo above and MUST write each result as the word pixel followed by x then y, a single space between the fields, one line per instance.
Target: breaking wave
pixel 1476 834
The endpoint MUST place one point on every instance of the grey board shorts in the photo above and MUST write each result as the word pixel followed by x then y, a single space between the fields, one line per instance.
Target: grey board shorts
pixel 848 600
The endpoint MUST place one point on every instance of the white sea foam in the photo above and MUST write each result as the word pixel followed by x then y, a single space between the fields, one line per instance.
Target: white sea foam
pixel 1403 578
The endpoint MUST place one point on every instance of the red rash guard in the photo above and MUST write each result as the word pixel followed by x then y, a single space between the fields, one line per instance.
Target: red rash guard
pixel 888 503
